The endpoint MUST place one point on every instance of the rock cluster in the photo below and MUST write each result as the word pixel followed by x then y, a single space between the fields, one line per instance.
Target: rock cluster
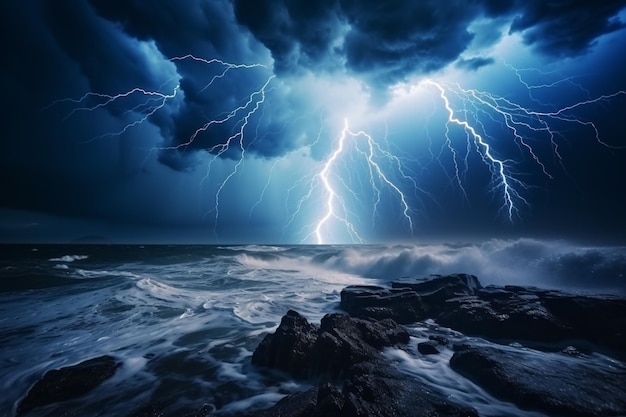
pixel 69 382
pixel 553 383
pixel 342 354
pixel 514 313
pixel 345 351
pixel 327 352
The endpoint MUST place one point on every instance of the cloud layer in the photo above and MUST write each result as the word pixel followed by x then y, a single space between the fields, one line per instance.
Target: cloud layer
pixel 325 57
pixel 385 43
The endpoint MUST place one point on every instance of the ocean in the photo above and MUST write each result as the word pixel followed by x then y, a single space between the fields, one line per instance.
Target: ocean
pixel 184 320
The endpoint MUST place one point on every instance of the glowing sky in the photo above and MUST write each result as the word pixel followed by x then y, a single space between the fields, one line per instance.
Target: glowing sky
pixel 330 121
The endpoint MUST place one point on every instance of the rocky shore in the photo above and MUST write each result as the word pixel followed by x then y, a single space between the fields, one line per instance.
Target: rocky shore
pixel 527 346
pixel 343 353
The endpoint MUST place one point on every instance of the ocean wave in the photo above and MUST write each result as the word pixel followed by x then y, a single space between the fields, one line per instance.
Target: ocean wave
pixel 255 248
pixel 552 264
pixel 85 273
pixel 69 258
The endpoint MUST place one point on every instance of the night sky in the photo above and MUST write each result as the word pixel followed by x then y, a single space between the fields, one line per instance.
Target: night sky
pixel 291 121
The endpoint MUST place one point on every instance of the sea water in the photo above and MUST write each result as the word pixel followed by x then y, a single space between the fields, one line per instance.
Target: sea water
pixel 184 320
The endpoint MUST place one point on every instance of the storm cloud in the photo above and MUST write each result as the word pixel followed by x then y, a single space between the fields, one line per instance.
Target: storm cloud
pixel 65 153
pixel 117 45
pixel 388 42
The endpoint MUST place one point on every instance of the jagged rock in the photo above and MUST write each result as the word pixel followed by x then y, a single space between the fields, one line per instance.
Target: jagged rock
pixel 530 314
pixel 377 389
pixel 159 410
pixel 346 349
pixel 301 404
pixel 371 388
pixel 289 348
pixel 428 348
pixel 435 291
pixel 550 382
pixel 439 340
pixel 511 313
pixel 402 304
pixel 69 382
pixel 304 351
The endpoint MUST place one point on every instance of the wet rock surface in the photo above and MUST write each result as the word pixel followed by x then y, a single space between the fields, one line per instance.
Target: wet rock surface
pixel 69 382
pixel 557 381
pixel 557 384
pixel 306 351
pixel 514 313
pixel 402 305
pixel 345 351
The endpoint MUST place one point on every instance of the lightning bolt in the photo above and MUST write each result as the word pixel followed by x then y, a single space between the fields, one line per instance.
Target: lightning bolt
pixel 250 107
pixel 335 206
pixel 473 111
pixel 239 116
pixel 498 166
pixel 522 123
pixel 154 101
pixel 487 121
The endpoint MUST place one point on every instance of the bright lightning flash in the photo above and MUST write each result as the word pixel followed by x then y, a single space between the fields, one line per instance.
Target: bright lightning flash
pixel 480 115
pixel 335 205
pixel 238 117
pixel 521 124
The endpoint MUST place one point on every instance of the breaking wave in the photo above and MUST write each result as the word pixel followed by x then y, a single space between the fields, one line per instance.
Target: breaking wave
pixel 500 262
pixel 69 258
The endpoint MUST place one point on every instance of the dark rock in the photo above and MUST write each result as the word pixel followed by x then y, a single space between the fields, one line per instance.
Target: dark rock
pixel 441 340
pixel 510 313
pixel 371 388
pixel 69 382
pixel 151 410
pixel 514 318
pixel 428 348
pixel 347 349
pixel 601 320
pixel 300 404
pixel 161 410
pixel 549 382
pixel 377 389
pixel 435 291
pixel 304 351
pixel 537 315
pixel 400 304
pixel 289 348
pixel 330 402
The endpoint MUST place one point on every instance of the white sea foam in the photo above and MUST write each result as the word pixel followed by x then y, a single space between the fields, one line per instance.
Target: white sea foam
pixel 69 258
pixel 192 318
pixel 501 262
pixel 256 402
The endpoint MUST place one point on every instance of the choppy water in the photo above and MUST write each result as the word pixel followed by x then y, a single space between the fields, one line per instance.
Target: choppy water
pixel 184 320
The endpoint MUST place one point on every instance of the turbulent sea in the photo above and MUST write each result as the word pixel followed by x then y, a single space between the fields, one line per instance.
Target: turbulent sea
pixel 184 320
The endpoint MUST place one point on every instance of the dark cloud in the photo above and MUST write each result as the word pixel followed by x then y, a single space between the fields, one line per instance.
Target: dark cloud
pixel 55 49
pixel 566 27
pixel 203 28
pixel 382 42
pixel 387 42
pixel 208 30
pixel 474 63
pixel 300 34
